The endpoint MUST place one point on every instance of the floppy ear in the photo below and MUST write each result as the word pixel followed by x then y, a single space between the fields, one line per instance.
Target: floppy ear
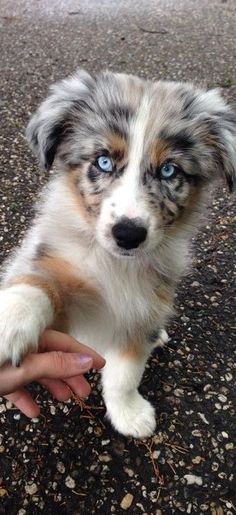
pixel 49 124
pixel 220 120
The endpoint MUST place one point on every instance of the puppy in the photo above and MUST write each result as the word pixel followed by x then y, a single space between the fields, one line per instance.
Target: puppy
pixel 135 161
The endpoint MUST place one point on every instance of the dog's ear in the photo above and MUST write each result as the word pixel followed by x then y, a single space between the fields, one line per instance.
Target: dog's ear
pixel 219 120
pixel 49 124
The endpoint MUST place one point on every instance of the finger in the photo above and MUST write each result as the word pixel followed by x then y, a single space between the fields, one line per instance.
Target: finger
pixel 49 365
pixel 57 388
pixel 54 365
pixel 79 386
pixel 54 340
pixel 24 402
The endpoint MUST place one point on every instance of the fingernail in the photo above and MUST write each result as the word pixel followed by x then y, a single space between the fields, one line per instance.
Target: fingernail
pixel 83 360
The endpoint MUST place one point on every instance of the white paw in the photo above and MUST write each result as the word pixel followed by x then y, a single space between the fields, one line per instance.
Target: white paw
pixel 132 415
pixel 21 322
pixel 162 339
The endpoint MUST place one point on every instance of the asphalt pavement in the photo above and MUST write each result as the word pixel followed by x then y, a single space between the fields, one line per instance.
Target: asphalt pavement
pixel 69 460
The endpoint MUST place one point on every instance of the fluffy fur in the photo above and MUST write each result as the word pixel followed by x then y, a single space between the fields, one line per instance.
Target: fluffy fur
pixel 71 272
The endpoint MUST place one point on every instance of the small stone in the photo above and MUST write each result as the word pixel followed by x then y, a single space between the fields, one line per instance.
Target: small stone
pixel 60 467
pixel 156 454
pixel 104 458
pixel 203 418
pixel 3 492
pixel 228 377
pixel 31 488
pixel 195 284
pixel 129 471
pixel 224 434
pixel 197 460
pixel 70 482
pixel 126 501
pixel 222 398
pixel 192 479
pixel 197 433
pixel 105 442
pixel 229 446
pixel 178 392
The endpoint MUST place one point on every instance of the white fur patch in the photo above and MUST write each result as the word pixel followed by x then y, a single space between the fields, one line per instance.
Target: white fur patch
pixel 128 411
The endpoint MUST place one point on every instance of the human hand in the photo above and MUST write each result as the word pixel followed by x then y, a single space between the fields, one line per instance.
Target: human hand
pixel 59 366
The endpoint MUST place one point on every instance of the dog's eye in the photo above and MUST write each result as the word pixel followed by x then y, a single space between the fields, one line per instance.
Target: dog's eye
pixel 168 171
pixel 105 163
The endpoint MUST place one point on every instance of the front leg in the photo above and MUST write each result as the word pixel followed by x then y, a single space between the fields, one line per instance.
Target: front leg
pixel 128 411
pixel 31 303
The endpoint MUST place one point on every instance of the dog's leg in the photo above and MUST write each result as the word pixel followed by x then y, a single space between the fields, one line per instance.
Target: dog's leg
pixel 32 302
pixel 128 411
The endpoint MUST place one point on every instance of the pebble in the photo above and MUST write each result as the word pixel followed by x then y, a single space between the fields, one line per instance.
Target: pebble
pixel 192 479
pixel 129 471
pixel 222 398
pixel 104 458
pixel 70 482
pixel 197 433
pixel 60 467
pixel 203 418
pixel 229 446
pixel 31 488
pixel 156 454
pixel 195 284
pixel 224 434
pixel 197 460
pixel 126 501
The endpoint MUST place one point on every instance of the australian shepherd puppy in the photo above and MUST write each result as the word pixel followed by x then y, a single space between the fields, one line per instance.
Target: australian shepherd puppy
pixel 135 161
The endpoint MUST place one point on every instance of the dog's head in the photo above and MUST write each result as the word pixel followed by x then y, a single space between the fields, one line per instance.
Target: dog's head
pixel 139 155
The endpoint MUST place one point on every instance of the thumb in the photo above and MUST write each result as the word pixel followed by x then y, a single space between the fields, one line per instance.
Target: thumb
pixel 55 365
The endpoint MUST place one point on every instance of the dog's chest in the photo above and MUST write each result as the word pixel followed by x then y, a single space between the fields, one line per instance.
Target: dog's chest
pixel 127 305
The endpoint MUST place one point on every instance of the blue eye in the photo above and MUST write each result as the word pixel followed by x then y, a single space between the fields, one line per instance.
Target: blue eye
pixel 105 163
pixel 168 171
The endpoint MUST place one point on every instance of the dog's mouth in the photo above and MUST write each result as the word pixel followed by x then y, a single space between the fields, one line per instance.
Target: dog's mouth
pixel 111 248
pixel 123 253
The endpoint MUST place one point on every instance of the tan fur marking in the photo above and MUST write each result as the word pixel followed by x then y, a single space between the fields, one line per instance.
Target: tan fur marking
pixel 160 152
pixel 164 295
pixel 192 202
pixel 46 285
pixel 118 146
pixel 63 274
pixel 133 351
pixel 78 200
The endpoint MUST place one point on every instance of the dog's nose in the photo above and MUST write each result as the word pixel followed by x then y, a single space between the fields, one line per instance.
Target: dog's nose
pixel 129 233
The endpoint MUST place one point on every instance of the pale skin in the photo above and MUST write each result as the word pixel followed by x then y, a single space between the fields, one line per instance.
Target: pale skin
pixel 59 366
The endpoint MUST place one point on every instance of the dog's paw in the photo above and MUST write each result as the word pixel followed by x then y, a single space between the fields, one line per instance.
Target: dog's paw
pixel 21 322
pixel 132 415
pixel 162 339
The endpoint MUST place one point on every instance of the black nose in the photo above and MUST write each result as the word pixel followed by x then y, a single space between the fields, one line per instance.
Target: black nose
pixel 129 234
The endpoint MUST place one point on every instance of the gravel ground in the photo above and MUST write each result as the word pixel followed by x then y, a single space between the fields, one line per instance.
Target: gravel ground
pixel 70 461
